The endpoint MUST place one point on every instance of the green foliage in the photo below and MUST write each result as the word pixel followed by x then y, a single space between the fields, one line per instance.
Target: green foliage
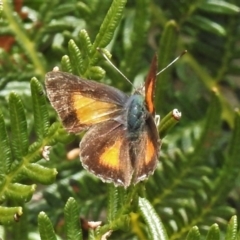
pixel 45 227
pixel 195 189
pixel 19 159
pixel 155 225
pixel 71 212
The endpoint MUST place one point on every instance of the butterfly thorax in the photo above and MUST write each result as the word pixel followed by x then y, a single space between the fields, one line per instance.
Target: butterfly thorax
pixel 136 115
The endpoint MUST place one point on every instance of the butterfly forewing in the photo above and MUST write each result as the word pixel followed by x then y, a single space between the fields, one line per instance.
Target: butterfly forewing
pixel 82 103
pixel 150 84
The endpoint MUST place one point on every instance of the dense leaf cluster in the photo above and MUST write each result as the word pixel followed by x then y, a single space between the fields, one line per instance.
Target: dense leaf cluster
pixel 194 193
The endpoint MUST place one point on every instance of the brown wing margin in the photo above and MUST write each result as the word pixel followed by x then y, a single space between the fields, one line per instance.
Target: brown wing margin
pixel 150 85
pixel 81 103
pixel 147 152
pixel 109 159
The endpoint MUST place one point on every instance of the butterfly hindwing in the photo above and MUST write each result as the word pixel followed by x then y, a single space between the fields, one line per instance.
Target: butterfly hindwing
pixel 82 103
pixel 146 151
pixel 104 151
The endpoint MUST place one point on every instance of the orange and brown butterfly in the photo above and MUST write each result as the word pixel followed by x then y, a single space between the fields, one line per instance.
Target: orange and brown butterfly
pixel 121 144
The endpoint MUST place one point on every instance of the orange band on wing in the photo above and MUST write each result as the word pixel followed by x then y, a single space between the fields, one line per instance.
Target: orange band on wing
pixel 91 111
pixel 149 96
pixel 110 157
pixel 150 151
pixel 150 85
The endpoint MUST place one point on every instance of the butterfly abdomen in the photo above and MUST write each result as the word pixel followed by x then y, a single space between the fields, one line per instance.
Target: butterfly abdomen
pixel 136 115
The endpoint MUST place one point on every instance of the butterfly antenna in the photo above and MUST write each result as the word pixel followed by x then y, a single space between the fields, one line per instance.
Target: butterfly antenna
pixel 108 60
pixel 185 51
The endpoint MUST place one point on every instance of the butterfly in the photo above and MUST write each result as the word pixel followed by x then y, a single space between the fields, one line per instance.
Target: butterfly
pixel 121 144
